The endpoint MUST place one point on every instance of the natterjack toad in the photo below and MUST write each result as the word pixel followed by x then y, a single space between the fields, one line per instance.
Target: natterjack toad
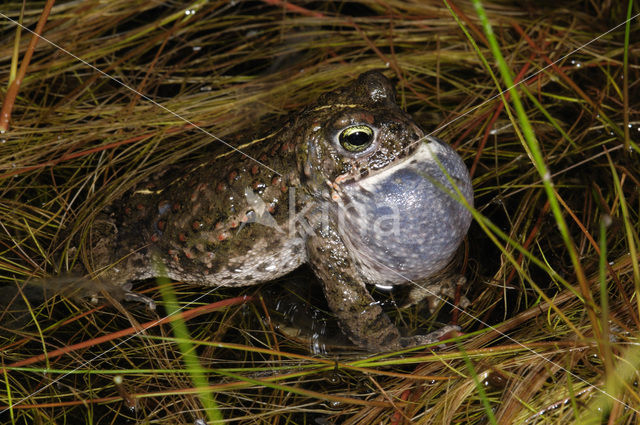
pixel 349 185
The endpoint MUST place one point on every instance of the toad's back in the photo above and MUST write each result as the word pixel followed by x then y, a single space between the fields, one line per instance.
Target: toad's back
pixel 223 222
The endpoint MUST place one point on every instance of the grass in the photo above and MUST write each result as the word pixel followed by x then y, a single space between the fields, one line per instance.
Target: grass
pixel 551 259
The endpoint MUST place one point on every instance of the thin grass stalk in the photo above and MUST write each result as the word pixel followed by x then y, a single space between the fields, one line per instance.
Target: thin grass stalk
pixel 189 355
pixel 625 82
pixel 538 159
pixel 16 47
pixel 14 87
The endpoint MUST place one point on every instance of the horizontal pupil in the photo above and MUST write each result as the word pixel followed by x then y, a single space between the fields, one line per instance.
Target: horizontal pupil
pixel 358 138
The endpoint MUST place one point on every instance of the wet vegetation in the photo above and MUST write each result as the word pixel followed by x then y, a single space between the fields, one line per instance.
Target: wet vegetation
pixel 120 89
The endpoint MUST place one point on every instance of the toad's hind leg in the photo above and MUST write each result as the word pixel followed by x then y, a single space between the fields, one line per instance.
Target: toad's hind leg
pixel 359 315
pixel 116 254
pixel 434 290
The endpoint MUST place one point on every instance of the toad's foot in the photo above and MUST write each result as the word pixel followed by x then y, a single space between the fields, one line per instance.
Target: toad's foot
pixel 135 297
pixel 430 338
pixel 434 290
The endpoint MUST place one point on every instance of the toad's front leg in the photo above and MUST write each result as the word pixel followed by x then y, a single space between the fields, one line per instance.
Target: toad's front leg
pixel 360 316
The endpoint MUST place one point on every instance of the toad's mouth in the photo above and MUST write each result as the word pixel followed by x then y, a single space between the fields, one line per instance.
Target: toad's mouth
pixel 406 221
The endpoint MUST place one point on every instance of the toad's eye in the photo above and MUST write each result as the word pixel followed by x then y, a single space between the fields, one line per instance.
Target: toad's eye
pixel 356 138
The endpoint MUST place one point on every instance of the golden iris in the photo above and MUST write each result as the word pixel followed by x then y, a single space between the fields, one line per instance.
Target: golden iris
pixel 356 138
